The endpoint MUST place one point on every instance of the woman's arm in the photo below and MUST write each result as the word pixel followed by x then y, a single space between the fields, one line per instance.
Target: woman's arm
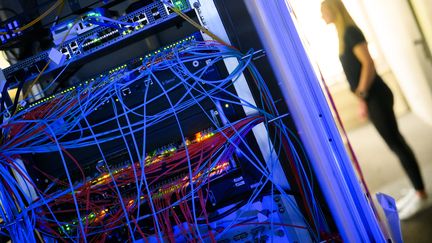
pixel 368 71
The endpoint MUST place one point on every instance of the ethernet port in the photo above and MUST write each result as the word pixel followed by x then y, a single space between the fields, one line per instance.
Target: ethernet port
pixel 143 19
pixel 142 16
pixel 155 13
pixel 73 45
pixel 168 9
pixel 135 19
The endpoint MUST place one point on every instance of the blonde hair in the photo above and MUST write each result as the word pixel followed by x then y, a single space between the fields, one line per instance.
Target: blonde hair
pixel 342 19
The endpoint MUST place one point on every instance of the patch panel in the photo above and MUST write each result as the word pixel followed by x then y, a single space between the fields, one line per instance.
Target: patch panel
pixel 168 9
pixel 98 38
pixel 131 95
pixel 164 186
pixel 130 200
pixel 132 64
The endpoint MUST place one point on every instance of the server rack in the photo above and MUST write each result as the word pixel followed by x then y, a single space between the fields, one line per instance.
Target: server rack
pixel 343 203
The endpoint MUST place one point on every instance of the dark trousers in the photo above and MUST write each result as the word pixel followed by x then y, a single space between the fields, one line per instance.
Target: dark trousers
pixel 381 114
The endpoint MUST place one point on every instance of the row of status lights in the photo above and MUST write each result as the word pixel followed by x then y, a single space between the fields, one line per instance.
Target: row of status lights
pixel 99 38
pixel 168 47
pixel 54 96
pixel 110 72
pixel 138 27
pixel 91 216
pixel 157 155
pixel 217 170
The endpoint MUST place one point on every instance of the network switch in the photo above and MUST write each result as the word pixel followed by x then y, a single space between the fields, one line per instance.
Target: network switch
pixel 96 39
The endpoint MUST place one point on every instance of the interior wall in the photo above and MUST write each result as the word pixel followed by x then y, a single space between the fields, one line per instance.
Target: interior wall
pixel 397 33
pixel 423 9
pixel 322 45
pixel 3 62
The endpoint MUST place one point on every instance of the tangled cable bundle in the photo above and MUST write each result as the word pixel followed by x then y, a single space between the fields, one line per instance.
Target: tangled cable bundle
pixel 157 193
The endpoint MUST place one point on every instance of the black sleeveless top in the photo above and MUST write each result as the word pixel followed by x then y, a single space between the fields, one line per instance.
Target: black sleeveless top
pixel 351 65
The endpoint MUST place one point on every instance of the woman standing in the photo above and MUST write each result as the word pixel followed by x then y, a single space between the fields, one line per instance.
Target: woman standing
pixel 375 99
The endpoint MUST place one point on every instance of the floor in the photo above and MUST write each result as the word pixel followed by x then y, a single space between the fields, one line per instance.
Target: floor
pixel 384 174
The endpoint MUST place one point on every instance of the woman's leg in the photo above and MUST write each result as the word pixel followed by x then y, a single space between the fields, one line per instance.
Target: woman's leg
pixel 381 114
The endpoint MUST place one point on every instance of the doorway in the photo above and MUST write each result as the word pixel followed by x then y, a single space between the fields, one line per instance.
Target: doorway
pixel 393 36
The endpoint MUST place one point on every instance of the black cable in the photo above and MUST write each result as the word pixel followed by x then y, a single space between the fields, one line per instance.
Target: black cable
pixel 16 100
pixel 3 100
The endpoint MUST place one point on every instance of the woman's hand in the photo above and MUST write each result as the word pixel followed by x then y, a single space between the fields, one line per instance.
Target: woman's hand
pixel 362 109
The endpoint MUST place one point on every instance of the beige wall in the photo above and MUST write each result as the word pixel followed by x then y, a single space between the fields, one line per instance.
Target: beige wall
pixel 423 9
pixel 391 32
pixel 396 31
pixel 3 63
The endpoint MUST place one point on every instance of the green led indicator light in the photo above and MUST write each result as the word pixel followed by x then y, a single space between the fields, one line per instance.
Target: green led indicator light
pixel 179 4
